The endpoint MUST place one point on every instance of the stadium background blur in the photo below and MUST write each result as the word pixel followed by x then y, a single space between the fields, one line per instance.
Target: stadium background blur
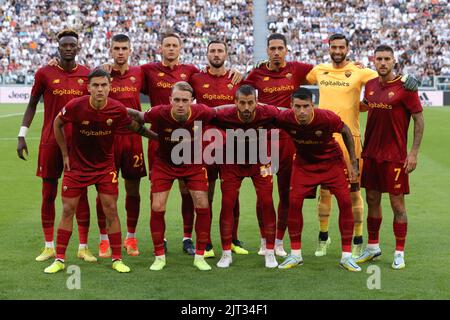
pixel 417 30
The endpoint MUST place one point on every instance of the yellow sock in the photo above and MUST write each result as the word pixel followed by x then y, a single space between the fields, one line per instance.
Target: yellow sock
pixel 358 212
pixel 324 209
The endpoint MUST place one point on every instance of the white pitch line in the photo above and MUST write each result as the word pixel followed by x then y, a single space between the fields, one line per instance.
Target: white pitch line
pixel 10 139
pixel 17 114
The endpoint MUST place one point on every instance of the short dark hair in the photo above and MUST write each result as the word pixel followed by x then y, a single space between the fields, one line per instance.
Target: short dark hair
pixel 245 90
pixel 183 86
pixel 169 35
pixel 97 73
pixel 338 36
pixel 384 47
pixel 303 94
pixel 277 36
pixel 120 37
pixel 67 33
pixel 219 42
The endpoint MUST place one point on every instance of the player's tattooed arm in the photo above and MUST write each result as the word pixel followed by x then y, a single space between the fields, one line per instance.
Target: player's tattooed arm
pixel 364 105
pixel 225 106
pixel 58 125
pixel 411 159
pixel 22 148
pixel 350 145
pixel 142 130
pixel 136 115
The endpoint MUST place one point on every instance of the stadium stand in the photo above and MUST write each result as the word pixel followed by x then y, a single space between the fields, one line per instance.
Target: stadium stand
pixel 418 30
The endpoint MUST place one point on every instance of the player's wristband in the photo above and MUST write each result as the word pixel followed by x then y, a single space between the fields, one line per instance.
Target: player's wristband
pixel 23 131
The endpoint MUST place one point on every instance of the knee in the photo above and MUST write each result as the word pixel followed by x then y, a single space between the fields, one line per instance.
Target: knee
pixel 373 200
pixel 68 210
pixel 110 209
pixel 158 206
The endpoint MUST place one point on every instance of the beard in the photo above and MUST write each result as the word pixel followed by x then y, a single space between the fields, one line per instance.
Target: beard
pixel 216 64
pixel 338 58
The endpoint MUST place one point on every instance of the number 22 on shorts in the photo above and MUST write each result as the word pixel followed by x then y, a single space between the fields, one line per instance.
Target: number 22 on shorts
pixel 114 176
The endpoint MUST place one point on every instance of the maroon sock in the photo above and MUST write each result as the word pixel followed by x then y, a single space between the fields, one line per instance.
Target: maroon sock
pixel 62 240
pixel 115 240
pixel 400 231
pixel 101 218
pixel 82 215
pixel 132 206
pixel 187 210
pixel 49 191
pixel 236 214
pixel 202 229
pixel 157 229
pixel 373 229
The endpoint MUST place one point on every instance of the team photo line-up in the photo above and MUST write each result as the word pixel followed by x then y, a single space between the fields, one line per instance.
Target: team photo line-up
pixel 218 123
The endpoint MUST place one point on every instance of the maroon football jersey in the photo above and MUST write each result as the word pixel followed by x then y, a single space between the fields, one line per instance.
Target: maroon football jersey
pixel 164 124
pixel 276 87
pixel 314 142
pixel 390 109
pixel 264 118
pixel 91 151
pixel 213 90
pixel 58 88
pixel 126 88
pixel 159 80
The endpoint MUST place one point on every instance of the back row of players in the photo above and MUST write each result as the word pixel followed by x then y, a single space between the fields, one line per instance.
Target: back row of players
pixel 276 81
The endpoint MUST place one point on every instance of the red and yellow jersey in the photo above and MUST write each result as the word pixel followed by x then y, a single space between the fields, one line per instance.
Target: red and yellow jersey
pixel 264 118
pixel 213 90
pixel 314 141
pixel 340 90
pixel 93 131
pixel 276 87
pixel 126 88
pixel 390 110
pixel 164 124
pixel 58 88
pixel 159 80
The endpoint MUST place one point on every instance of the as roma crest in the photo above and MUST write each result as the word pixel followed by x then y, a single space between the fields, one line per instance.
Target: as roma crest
pixel 348 74
pixel 109 121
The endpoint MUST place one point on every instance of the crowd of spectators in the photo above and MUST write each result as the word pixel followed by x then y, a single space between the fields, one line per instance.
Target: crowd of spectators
pixel 28 30
pixel 417 30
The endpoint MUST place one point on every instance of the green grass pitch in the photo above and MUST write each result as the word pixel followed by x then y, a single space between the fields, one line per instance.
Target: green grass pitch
pixel 427 255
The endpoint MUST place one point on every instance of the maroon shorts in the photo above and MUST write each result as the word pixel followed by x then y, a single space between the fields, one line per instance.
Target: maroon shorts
pixel 385 176
pixel 213 172
pixel 163 174
pixel 50 163
pixel 129 156
pixel 153 146
pixel 73 184
pixel 306 178
pixel 285 149
pixel 232 175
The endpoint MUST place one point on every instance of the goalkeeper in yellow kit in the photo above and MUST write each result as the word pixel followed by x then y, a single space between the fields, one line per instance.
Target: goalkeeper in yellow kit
pixel 340 85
